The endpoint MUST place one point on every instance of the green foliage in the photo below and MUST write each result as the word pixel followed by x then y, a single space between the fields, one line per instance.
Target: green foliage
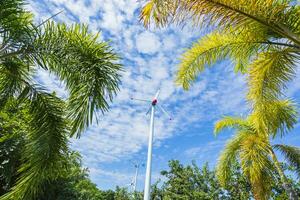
pixel 15 24
pixel 121 194
pixel 190 182
pixel 73 184
pixel 13 128
pixel 86 65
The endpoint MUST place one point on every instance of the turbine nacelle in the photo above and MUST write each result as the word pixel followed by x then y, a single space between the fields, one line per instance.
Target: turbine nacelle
pixel 154 102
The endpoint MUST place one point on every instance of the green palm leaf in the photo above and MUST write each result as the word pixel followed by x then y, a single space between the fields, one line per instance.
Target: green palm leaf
pixel 13 74
pixel 87 66
pixel 44 155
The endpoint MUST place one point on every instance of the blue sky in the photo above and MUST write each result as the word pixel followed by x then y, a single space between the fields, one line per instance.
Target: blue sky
pixel 150 59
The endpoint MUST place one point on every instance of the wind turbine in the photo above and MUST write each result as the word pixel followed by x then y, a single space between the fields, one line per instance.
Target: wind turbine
pixel 134 180
pixel 154 103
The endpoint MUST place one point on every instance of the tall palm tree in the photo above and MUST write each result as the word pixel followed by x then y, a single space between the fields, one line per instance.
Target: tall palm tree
pixel 87 66
pixel 251 145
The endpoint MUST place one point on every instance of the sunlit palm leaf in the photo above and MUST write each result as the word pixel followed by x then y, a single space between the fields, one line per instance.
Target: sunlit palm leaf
pixel 256 164
pixel 222 13
pixel 269 74
pixel 228 157
pixel 292 155
pixel 237 45
pixel 232 122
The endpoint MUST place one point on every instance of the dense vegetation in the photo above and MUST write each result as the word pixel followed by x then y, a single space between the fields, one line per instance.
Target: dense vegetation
pixel 87 66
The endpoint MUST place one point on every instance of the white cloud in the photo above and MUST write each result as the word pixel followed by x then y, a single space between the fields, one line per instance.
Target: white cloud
pixel 51 83
pixel 169 43
pixel 147 42
pixel 112 19
pixel 206 152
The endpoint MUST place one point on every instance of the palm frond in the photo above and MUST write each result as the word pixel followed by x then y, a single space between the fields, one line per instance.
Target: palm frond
pixel 87 66
pixel 160 11
pixel 292 18
pixel 256 164
pixel 269 74
pixel 228 158
pixel 224 14
pixel 14 20
pixel 261 187
pixel 16 28
pixel 275 117
pixel 231 122
pixel 13 73
pixel 238 45
pixel 44 155
pixel 291 154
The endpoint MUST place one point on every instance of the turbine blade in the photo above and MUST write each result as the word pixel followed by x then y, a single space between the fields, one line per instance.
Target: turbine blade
pixel 148 110
pixel 144 100
pixel 157 94
pixel 165 112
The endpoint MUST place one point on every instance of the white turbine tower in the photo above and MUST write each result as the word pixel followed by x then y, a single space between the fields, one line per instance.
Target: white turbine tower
pixel 154 103
pixel 134 180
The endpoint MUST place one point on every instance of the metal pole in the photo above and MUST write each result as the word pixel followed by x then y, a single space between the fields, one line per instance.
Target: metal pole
pixel 149 159
pixel 135 178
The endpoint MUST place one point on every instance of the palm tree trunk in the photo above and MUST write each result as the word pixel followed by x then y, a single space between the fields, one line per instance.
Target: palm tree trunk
pixel 288 188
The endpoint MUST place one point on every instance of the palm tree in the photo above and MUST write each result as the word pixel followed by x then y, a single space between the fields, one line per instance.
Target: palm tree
pixel 251 145
pixel 260 37
pixel 87 66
